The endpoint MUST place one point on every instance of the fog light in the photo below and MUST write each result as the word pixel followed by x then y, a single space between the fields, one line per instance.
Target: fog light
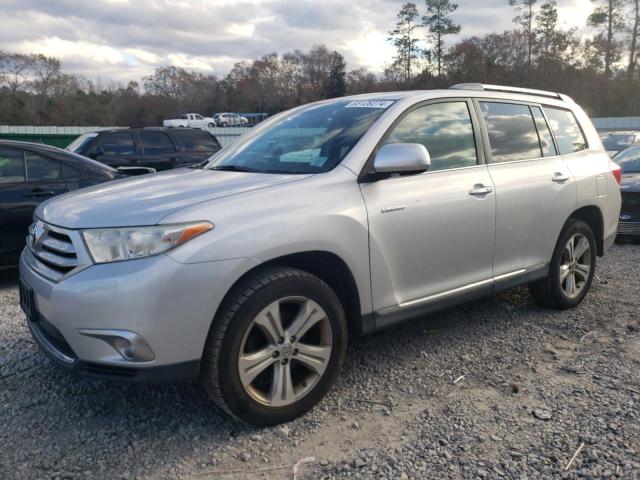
pixel 129 345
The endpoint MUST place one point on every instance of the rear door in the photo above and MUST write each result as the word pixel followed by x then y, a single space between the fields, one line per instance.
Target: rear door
pixel 431 234
pixel 535 190
pixel 195 145
pixel 158 150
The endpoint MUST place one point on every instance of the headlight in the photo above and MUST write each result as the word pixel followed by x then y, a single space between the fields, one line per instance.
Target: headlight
pixel 117 244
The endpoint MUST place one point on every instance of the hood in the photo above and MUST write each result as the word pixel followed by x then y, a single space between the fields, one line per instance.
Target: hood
pixel 146 199
pixel 630 182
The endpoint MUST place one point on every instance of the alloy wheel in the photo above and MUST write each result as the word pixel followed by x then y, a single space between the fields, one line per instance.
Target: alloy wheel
pixel 285 351
pixel 575 265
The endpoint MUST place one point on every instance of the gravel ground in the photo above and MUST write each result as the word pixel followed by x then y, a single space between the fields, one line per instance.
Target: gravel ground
pixel 495 389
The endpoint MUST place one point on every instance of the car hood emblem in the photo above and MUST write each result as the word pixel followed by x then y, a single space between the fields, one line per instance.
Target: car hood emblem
pixel 37 232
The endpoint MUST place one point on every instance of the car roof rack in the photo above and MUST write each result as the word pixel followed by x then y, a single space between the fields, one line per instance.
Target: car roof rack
pixel 482 87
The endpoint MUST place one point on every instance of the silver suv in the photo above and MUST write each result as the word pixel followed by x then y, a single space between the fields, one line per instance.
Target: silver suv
pixel 342 217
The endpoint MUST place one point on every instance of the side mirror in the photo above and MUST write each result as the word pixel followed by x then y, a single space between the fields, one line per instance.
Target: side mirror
pixel 402 158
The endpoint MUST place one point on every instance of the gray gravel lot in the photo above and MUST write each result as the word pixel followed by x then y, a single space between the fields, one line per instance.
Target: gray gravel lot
pixel 494 389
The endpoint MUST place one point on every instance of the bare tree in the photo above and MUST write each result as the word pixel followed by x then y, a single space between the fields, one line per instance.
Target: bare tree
pixel 608 17
pixel 404 39
pixel 633 38
pixel 524 17
pixel 439 23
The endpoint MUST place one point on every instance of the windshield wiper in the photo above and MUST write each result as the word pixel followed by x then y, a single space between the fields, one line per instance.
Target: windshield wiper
pixel 233 168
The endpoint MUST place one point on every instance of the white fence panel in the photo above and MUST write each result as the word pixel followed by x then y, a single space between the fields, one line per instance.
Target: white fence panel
pixel 616 123
pixel 225 135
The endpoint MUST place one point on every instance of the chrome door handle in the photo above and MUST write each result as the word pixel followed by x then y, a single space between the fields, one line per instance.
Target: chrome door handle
pixel 479 190
pixel 560 177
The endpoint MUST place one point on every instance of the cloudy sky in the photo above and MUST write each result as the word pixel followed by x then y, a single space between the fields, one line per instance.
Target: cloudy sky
pixel 126 39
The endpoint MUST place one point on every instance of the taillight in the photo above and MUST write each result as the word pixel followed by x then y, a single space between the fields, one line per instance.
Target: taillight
pixel 617 171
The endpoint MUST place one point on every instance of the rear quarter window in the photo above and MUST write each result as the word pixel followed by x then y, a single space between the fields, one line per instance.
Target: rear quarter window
pixel 197 140
pixel 566 129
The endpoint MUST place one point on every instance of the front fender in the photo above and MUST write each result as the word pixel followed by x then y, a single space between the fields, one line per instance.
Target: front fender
pixel 324 212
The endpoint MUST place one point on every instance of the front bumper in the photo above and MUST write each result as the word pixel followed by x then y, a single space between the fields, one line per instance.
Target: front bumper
pixel 168 304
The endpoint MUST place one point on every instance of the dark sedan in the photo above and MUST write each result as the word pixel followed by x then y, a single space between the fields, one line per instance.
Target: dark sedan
pixel 629 161
pixel 29 174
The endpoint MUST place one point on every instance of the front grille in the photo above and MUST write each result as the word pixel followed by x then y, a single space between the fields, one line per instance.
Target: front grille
pixel 629 228
pixel 53 250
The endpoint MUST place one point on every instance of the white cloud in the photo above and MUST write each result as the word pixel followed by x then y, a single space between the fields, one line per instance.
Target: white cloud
pixel 65 49
pixel 127 39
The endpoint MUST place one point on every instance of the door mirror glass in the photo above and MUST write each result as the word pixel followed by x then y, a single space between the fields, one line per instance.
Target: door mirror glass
pixel 402 158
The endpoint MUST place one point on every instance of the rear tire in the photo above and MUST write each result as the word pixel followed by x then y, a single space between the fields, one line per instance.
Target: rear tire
pixel 571 269
pixel 254 366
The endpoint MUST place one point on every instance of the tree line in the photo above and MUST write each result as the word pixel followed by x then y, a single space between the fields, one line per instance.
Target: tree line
pixel 600 72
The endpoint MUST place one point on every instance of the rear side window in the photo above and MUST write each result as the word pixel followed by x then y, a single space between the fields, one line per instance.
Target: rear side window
pixel 156 142
pixel 40 168
pixel 117 143
pixel 566 130
pixel 197 140
pixel 11 166
pixel 546 140
pixel 445 129
pixel 512 132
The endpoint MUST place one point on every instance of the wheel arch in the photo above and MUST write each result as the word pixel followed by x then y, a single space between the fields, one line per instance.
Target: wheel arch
pixel 592 216
pixel 325 265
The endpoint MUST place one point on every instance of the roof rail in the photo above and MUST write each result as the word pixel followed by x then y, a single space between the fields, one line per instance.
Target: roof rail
pixel 500 88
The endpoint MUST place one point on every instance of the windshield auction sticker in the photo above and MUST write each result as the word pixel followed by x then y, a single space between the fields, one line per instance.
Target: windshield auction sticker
pixel 369 104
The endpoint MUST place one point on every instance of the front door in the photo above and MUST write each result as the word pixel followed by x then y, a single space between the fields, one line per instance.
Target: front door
pixel 432 234
pixel 26 179
pixel 116 149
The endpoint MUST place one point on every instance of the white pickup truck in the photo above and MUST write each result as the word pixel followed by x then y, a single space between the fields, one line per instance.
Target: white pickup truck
pixel 193 120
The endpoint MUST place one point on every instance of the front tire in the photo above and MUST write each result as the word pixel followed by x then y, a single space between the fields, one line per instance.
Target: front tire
pixel 275 347
pixel 571 269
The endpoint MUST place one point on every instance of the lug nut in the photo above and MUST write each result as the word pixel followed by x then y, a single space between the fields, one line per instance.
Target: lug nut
pixel 281 340
pixel 292 339
pixel 284 361
pixel 295 351
pixel 275 354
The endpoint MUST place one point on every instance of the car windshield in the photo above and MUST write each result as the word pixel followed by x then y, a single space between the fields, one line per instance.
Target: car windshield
pixel 79 144
pixel 311 140
pixel 617 142
pixel 629 160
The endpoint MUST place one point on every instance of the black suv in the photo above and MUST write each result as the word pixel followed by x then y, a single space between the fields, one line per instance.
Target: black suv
pixel 155 147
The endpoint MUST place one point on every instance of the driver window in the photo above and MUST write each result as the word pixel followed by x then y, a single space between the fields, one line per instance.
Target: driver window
pixel 445 129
